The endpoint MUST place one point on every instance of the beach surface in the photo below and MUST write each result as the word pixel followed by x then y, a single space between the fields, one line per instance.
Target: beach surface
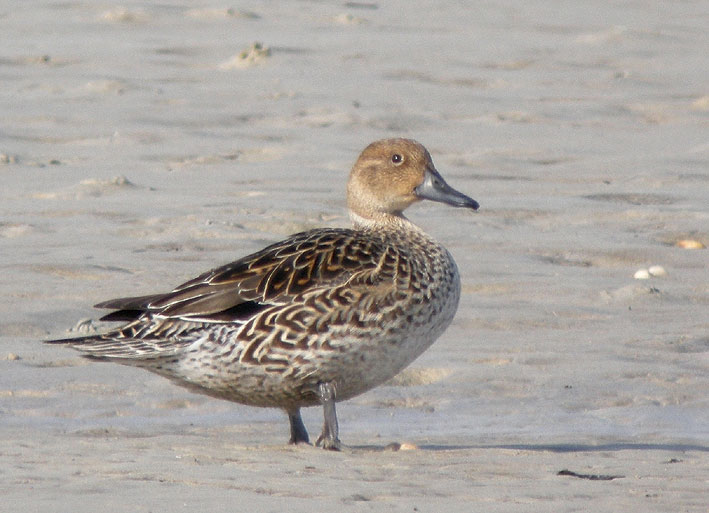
pixel 144 143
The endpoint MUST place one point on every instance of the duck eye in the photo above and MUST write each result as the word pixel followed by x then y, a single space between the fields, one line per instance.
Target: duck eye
pixel 397 159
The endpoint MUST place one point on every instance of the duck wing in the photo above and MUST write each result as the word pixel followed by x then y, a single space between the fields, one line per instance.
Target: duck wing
pixel 234 292
pixel 314 264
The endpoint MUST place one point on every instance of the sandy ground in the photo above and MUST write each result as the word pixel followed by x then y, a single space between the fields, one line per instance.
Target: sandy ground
pixel 140 147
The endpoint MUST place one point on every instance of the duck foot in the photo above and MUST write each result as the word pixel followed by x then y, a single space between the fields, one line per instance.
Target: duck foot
pixel 328 438
pixel 298 433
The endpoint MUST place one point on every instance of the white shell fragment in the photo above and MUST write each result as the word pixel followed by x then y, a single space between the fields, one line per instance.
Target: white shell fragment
pixel 641 274
pixel 657 271
pixel 654 271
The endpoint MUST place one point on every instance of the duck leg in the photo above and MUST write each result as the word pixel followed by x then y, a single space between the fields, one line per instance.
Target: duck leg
pixel 298 433
pixel 328 438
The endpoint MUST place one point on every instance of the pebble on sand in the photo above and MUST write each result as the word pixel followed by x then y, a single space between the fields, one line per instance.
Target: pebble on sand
pixel 689 244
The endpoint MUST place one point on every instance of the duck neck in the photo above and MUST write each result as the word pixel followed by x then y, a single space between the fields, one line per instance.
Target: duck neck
pixel 384 221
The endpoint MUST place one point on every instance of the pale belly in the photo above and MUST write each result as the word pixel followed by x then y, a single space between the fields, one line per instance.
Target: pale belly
pixel 355 364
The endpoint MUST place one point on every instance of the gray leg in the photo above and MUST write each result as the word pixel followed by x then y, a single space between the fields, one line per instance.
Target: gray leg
pixel 328 438
pixel 298 433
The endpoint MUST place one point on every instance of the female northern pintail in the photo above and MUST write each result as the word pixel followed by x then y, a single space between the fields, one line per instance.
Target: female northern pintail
pixel 320 317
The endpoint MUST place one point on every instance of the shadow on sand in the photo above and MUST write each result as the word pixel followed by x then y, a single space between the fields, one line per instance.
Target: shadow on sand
pixel 560 448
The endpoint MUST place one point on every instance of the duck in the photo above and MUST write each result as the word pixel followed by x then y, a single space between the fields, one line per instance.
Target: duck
pixel 318 318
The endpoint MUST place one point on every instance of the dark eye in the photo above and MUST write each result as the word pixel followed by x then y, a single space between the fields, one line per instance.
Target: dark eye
pixel 397 159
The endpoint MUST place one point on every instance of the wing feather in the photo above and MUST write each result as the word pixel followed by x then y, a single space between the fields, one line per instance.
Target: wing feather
pixel 275 275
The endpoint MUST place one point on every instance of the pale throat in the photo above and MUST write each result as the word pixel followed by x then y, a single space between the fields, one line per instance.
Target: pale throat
pixel 381 220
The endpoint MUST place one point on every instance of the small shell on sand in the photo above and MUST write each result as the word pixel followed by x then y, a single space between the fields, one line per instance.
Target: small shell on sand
pixel 404 446
pixel 689 244
pixel 701 104
pixel 348 19
pixel 652 271
pixel 641 274
pixel 215 13
pixel 7 159
pixel 253 55
pixel 657 271
pixel 84 326
pixel 123 15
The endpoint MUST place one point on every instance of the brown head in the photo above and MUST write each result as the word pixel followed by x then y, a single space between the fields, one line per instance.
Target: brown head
pixel 391 174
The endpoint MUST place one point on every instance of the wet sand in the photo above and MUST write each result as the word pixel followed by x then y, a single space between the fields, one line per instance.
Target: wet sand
pixel 144 144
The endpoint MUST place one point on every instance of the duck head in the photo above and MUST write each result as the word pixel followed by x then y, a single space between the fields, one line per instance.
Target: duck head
pixel 392 174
